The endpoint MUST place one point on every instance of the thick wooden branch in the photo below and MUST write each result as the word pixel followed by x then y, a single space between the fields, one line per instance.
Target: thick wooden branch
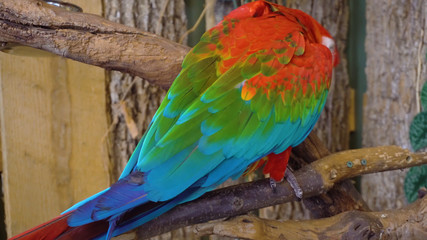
pixel 91 39
pixel 315 179
pixel 341 197
pixel 406 223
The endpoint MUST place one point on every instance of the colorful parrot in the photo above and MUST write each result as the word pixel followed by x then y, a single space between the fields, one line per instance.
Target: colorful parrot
pixel 254 86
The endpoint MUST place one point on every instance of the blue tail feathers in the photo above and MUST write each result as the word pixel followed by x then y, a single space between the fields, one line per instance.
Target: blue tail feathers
pixel 127 193
pixel 126 206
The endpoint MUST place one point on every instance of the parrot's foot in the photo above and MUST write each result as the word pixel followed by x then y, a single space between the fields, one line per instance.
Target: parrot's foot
pixel 273 184
pixel 290 177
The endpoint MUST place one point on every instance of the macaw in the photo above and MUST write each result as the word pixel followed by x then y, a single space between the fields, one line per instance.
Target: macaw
pixel 254 86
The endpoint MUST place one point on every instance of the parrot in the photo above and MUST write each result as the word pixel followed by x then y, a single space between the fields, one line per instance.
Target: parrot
pixel 249 91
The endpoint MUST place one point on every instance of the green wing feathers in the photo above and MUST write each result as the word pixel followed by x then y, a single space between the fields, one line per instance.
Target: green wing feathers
pixel 235 90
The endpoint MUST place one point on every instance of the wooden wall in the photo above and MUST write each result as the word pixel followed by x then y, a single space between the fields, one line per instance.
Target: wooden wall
pixel 53 122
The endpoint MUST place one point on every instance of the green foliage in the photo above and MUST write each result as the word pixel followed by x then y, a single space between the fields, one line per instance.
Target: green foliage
pixel 418 128
pixel 418 131
pixel 417 176
pixel 424 97
pixel 415 179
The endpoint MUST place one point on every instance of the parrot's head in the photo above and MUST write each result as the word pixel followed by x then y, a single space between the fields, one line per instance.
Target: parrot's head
pixel 314 31
pixel 318 33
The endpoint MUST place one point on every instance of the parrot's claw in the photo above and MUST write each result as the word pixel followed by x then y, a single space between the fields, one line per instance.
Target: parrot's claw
pixel 273 184
pixel 294 184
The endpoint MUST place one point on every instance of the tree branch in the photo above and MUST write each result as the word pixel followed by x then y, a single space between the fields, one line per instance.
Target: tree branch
pixel 406 223
pixel 342 197
pixel 314 179
pixel 91 39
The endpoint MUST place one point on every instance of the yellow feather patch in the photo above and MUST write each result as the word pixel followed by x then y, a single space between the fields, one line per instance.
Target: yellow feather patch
pixel 248 92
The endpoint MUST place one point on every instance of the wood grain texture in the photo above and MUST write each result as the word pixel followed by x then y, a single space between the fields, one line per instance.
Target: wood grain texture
pixel 28 160
pixel 396 70
pixel 406 223
pixel 91 39
pixel 53 119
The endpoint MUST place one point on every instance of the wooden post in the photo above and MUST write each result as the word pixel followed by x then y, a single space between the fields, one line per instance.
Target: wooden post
pixel 53 120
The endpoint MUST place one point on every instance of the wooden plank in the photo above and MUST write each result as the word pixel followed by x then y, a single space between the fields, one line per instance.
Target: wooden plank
pixel 28 162
pixel 53 119
pixel 90 161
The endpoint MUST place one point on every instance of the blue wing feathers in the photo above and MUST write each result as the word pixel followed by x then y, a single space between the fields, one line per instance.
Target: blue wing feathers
pixel 159 185
pixel 226 159
pixel 77 205
pixel 202 134
pixel 127 193
pixel 133 159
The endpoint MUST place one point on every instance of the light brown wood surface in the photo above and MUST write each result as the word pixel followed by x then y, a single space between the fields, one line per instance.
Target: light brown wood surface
pixel 53 119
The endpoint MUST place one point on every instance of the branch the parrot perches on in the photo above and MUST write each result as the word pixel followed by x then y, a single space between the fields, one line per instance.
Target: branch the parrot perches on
pixel 249 91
